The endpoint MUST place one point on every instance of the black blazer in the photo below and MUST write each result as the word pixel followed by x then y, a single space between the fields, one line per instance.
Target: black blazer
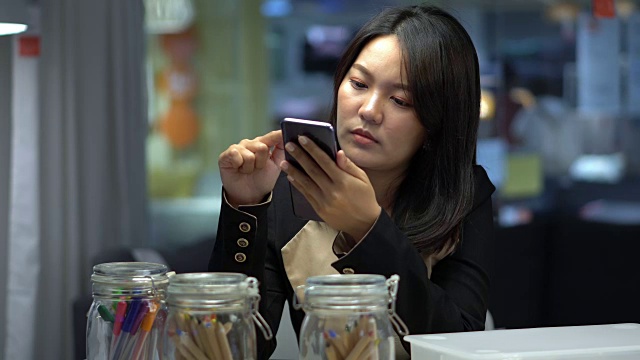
pixel 454 298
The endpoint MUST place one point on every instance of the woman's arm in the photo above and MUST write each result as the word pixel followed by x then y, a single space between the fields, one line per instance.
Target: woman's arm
pixel 455 298
pixel 243 246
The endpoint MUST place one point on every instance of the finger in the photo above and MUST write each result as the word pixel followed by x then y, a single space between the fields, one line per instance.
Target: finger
pixel 230 159
pixel 277 153
pixel 271 139
pixel 323 160
pixel 248 160
pixel 260 151
pixel 348 166
pixel 307 163
pixel 301 181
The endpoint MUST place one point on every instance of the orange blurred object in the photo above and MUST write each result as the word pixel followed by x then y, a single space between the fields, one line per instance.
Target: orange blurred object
pixel 180 125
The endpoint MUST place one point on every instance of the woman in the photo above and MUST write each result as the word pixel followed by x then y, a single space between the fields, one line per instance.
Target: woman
pixel 403 197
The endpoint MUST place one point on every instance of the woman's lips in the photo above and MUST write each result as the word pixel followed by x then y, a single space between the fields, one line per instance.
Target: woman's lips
pixel 363 137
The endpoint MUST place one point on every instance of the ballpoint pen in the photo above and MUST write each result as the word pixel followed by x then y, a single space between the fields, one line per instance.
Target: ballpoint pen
pixel 105 314
pixel 161 317
pixel 123 339
pixel 117 325
pixel 145 328
pixel 127 347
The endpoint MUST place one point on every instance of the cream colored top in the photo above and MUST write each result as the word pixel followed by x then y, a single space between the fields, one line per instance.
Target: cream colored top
pixel 312 251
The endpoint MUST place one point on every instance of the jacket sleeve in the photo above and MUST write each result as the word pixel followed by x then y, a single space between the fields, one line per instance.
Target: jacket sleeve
pixel 455 297
pixel 244 245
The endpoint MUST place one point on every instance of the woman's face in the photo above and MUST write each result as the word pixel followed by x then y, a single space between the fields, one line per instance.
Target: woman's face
pixel 377 126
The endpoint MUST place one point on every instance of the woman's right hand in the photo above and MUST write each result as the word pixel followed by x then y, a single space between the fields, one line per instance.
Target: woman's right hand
pixel 249 169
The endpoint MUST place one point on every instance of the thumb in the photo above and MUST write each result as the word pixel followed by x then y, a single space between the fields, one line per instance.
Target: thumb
pixel 348 166
pixel 277 154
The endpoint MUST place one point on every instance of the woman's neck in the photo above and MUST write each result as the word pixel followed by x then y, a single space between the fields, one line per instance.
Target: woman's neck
pixel 385 185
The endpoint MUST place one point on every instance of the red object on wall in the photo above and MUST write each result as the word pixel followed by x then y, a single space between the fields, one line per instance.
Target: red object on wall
pixel 604 8
pixel 29 46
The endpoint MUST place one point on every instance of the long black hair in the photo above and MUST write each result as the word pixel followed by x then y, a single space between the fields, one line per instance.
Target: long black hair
pixel 442 73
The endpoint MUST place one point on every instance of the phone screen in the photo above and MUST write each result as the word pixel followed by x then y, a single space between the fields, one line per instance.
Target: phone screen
pixel 321 133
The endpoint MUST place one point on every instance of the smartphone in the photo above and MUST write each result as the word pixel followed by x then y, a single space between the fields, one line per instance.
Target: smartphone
pixel 321 133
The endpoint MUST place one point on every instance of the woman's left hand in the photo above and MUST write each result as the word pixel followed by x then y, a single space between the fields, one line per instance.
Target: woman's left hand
pixel 340 192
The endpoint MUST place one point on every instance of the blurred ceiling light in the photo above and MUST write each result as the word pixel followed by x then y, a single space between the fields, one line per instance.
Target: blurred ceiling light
pixel 563 11
pixel 522 96
pixel 487 105
pixel 276 8
pixel 13 16
pixel 624 8
pixel 168 16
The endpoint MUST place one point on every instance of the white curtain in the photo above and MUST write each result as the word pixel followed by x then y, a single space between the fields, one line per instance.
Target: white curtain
pixel 5 165
pixel 23 257
pixel 89 192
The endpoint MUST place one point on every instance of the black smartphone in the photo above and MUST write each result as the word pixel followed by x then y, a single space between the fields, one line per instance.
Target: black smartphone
pixel 321 133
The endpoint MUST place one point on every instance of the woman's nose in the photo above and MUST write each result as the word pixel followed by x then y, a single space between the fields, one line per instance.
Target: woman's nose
pixel 371 109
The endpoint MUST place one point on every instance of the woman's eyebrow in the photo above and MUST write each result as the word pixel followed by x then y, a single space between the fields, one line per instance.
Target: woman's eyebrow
pixel 366 72
pixel 362 69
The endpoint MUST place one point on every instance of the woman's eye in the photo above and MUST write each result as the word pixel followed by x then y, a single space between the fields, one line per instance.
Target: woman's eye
pixel 401 102
pixel 357 84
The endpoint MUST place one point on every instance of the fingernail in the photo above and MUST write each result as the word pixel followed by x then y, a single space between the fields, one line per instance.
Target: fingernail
pixel 303 140
pixel 284 166
pixel 290 178
pixel 289 146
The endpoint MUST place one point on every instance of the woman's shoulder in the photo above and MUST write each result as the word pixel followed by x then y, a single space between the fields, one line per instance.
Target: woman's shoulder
pixel 483 186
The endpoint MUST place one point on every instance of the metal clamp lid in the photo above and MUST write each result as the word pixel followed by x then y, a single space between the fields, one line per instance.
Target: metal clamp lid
pixel 154 292
pixel 398 324
pixel 252 286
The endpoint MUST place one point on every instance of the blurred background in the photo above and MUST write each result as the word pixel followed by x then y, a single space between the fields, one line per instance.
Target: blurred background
pixel 113 113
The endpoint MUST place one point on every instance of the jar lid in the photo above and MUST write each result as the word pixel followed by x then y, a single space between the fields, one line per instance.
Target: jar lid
pixel 210 286
pixel 133 273
pixel 352 289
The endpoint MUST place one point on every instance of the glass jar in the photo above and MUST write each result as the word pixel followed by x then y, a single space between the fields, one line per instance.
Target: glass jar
pixel 349 317
pixel 212 316
pixel 126 318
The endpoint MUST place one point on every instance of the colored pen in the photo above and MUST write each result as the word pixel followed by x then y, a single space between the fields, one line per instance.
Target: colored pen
pixel 117 325
pixel 123 339
pixel 105 313
pixel 144 309
pixel 145 328
pixel 128 346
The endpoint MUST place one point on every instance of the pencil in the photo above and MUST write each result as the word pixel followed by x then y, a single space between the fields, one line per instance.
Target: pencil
pixel 187 319
pixel 178 349
pixel 188 344
pixel 372 330
pixel 369 352
pixel 212 337
pixel 204 340
pixel 182 325
pixel 359 348
pixel 183 351
pixel 227 327
pixel 330 351
pixel 351 337
pixel 354 332
pixel 223 341
pixel 334 339
pixel 346 337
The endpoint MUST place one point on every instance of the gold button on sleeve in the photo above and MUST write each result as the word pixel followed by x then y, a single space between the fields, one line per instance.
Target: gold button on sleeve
pixel 242 242
pixel 348 271
pixel 244 227
pixel 240 257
